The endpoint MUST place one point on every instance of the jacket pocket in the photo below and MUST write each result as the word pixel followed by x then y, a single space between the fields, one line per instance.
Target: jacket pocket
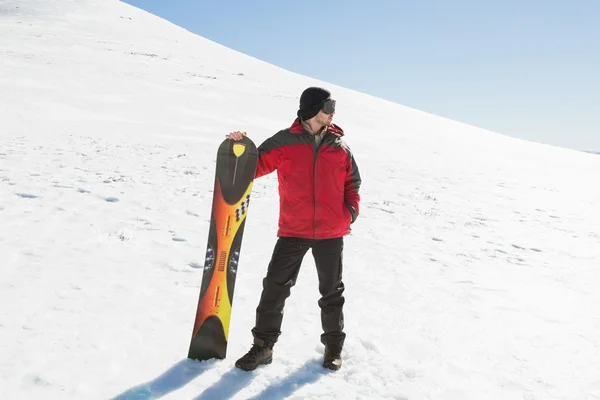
pixel 352 212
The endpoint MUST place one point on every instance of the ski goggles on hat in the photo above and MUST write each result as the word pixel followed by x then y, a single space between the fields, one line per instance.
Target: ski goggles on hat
pixel 328 106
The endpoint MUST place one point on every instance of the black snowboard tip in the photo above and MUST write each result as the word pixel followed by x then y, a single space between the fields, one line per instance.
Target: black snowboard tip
pixel 209 342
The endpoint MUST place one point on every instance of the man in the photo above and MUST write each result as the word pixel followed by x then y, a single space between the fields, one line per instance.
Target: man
pixel 318 189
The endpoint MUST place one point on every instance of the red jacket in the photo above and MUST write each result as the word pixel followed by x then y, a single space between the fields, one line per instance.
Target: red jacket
pixel 318 187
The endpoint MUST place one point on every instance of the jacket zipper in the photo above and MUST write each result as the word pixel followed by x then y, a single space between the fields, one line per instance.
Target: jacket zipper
pixel 315 153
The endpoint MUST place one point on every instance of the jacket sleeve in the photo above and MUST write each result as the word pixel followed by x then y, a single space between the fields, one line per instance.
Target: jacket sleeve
pixel 352 186
pixel 268 157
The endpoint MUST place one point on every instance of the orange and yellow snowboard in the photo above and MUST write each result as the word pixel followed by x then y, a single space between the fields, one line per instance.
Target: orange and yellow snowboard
pixel 236 164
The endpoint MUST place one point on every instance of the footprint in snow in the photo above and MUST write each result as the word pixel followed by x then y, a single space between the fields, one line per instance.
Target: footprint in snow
pixel 178 239
pixel 369 345
pixel 27 196
pixel 195 265
pixel 83 191
pixel 38 381
pixel 111 199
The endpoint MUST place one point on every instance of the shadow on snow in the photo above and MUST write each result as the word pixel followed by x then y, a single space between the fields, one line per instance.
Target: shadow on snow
pixel 230 383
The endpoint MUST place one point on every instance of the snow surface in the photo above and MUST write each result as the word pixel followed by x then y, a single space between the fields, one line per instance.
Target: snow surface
pixel 472 272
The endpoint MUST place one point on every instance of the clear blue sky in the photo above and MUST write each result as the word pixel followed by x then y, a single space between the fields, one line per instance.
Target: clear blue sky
pixel 525 68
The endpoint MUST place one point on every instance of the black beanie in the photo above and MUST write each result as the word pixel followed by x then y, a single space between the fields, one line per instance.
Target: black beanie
pixel 311 101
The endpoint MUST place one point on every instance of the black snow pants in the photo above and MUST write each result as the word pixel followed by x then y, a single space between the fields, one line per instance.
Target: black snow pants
pixel 281 276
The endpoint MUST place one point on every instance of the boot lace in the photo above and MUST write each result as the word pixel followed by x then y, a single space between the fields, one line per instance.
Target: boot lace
pixel 255 351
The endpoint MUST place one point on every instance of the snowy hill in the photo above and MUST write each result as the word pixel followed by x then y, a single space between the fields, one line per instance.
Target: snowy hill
pixel 472 272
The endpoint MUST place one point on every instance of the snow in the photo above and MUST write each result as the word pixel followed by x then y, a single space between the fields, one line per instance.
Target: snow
pixel 472 272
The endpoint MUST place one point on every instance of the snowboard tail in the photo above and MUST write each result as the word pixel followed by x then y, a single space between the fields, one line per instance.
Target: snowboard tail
pixel 209 341
pixel 234 176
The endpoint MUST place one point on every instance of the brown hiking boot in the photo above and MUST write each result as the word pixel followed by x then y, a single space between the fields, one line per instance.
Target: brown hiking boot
pixel 261 353
pixel 333 357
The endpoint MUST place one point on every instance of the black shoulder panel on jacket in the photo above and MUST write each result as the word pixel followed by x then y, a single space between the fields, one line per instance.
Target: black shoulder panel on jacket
pixel 280 139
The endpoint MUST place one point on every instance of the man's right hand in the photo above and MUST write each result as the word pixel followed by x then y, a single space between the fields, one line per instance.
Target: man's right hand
pixel 237 135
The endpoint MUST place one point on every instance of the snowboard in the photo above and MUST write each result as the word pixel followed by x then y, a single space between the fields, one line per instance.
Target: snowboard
pixel 234 176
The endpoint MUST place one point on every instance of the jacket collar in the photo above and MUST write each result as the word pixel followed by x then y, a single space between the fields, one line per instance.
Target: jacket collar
pixel 298 128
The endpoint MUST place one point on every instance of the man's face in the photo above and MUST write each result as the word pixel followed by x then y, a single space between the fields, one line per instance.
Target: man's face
pixel 324 119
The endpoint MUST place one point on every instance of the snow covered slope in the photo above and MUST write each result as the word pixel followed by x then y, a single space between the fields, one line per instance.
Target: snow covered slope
pixel 472 272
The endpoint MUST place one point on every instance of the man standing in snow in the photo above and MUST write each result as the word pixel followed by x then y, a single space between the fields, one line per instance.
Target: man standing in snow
pixel 318 189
